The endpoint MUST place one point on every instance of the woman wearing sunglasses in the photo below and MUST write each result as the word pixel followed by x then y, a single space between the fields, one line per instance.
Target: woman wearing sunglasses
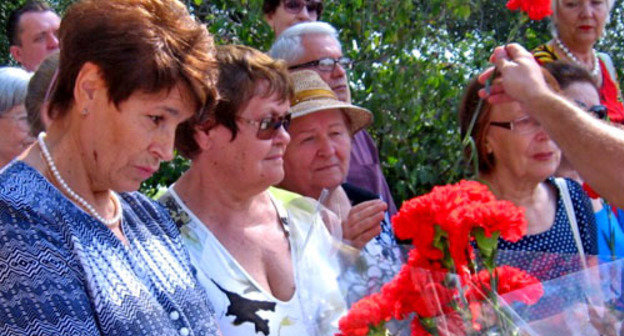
pixel 281 14
pixel 244 243
pixel 578 86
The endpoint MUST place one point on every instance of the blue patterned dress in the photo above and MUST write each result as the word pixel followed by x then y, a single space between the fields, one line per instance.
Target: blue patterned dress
pixel 64 273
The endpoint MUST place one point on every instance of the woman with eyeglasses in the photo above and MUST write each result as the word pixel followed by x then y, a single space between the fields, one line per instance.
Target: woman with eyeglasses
pixel 245 243
pixel 13 122
pixel 281 14
pixel 517 159
pixel 578 86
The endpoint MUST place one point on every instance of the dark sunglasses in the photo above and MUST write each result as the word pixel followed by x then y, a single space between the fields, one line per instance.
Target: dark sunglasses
pixel 325 64
pixel 598 111
pixel 296 6
pixel 267 127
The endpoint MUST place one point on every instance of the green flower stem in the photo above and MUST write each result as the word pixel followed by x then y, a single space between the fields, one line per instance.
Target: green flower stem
pixel 379 330
pixel 468 140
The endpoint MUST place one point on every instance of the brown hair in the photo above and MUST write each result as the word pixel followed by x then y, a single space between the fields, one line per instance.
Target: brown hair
pixel 139 45
pixel 242 70
pixel 567 73
pixel 37 89
pixel 467 110
pixel 13 30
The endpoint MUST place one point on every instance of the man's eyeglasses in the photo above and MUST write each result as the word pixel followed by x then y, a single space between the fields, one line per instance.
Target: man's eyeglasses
pixel 598 111
pixel 326 64
pixel 296 6
pixel 267 127
pixel 523 125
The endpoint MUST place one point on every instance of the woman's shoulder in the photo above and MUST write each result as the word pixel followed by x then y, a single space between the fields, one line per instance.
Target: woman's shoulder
pixel 575 190
pixel 36 252
pixel 18 180
pixel 577 194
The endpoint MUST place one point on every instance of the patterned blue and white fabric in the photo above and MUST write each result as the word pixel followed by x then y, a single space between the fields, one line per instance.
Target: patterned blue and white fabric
pixel 243 306
pixel 64 273
pixel 378 262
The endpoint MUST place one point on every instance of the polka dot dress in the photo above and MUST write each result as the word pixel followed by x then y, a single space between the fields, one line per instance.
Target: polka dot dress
pixel 553 253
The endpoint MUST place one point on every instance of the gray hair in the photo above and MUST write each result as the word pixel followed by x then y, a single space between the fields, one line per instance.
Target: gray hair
pixel 288 45
pixel 555 6
pixel 13 87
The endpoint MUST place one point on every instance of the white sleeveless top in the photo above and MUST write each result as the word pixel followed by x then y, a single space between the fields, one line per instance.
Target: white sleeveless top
pixel 242 306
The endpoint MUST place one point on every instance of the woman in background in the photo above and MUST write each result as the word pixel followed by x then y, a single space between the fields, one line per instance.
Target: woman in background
pixel 317 159
pixel 281 14
pixel 576 26
pixel 13 124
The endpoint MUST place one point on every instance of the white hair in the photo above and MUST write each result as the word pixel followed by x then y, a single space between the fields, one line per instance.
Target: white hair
pixel 288 46
pixel 554 4
pixel 13 87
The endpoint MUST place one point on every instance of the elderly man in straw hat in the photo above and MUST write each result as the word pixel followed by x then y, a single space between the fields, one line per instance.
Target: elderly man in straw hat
pixel 317 159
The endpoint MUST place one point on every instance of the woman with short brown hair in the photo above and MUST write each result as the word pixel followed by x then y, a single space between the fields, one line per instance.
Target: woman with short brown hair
pixel 81 252
pixel 249 247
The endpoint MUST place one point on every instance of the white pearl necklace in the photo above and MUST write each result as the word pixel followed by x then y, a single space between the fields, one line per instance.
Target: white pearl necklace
pixel 595 71
pixel 73 194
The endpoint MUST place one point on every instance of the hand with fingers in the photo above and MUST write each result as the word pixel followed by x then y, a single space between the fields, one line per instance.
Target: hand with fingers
pixel 363 222
pixel 518 76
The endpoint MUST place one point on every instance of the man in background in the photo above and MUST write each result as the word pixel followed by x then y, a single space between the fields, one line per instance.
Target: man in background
pixel 32 33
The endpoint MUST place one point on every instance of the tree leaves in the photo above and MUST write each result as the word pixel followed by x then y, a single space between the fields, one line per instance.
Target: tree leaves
pixel 413 59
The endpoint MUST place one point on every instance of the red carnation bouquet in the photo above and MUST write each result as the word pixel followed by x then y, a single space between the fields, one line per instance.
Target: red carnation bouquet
pixel 440 287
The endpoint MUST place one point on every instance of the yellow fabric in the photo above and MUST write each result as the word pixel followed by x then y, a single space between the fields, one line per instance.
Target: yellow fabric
pixel 306 95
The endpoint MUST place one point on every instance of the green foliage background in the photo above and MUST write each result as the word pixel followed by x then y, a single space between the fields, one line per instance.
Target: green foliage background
pixel 413 59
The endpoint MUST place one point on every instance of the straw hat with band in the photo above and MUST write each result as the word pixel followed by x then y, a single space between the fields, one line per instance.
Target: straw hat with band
pixel 312 94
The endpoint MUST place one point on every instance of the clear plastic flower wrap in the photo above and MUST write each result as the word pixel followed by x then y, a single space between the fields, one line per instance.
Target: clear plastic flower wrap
pixel 582 302
pixel 316 235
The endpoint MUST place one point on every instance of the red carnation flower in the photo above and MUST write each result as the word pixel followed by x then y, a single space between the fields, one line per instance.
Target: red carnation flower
pixel 418 218
pixel 535 9
pixel 496 216
pixel 363 314
pixel 517 284
pixel 417 328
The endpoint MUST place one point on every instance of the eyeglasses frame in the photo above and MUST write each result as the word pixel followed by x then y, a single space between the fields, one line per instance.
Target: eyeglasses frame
pixel 268 126
pixel 510 124
pixel 340 60
pixel 316 6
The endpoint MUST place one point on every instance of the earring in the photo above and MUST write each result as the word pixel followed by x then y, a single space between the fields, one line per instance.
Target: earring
pixel 84 112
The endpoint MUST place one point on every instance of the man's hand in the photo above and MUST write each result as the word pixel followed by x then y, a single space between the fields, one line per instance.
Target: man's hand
pixel 363 222
pixel 521 77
